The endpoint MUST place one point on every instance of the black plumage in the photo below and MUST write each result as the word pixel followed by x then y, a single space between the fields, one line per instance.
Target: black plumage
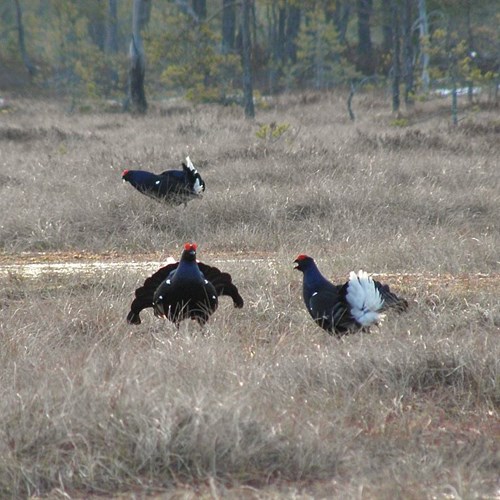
pixel 354 305
pixel 173 187
pixel 184 290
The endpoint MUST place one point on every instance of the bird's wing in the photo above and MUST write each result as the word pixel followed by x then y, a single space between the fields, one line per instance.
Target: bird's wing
pixel 329 308
pixel 144 294
pixel 174 174
pixel 173 182
pixel 391 300
pixel 222 283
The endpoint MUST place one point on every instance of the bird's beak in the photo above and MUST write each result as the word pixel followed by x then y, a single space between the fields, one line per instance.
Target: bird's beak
pixel 297 266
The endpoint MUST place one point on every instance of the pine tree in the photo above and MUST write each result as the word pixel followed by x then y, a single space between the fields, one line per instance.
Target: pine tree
pixel 320 62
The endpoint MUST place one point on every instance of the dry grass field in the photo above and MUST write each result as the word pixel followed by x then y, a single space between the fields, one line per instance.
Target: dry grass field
pixel 262 404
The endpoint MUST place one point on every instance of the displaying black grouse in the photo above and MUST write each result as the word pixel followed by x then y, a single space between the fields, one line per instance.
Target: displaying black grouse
pixel 341 309
pixel 184 290
pixel 172 186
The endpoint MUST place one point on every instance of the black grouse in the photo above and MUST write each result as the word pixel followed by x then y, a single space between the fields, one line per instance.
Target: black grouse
pixel 172 186
pixel 342 309
pixel 184 290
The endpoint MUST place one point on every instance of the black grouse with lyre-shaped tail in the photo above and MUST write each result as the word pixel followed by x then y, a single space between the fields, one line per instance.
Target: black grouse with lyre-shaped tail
pixel 172 186
pixel 341 309
pixel 184 290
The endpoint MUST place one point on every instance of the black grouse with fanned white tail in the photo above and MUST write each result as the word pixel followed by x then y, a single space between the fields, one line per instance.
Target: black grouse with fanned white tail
pixel 184 290
pixel 341 309
pixel 173 187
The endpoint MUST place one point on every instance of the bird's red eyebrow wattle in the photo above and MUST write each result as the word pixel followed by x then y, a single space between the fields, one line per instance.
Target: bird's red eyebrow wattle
pixel 302 256
pixel 190 246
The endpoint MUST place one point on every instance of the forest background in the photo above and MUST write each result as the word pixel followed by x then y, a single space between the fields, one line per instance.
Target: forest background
pixel 197 48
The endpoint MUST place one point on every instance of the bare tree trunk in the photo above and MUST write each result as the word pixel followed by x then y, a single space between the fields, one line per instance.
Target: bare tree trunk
pixel 365 49
pixel 200 9
pixel 408 52
pixel 20 34
pixel 386 26
pixel 111 43
pixel 424 44
pixel 454 103
pixel 246 60
pixel 253 21
pixel 137 69
pixel 228 26
pixel 396 63
pixel 470 47
pixel 111 39
pixel 280 42
pixel 292 30
pixel 272 44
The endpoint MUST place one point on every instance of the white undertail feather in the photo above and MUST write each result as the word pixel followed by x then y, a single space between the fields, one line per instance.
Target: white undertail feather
pixel 364 299
pixel 197 187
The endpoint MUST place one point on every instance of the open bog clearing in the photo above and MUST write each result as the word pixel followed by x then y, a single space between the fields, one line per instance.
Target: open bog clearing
pixel 261 403
pixel 50 266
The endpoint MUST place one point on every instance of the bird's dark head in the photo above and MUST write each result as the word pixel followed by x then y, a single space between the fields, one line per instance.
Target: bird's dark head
pixel 303 261
pixel 139 178
pixel 189 252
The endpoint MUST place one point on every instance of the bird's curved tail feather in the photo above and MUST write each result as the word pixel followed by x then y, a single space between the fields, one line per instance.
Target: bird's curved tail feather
pixel 195 180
